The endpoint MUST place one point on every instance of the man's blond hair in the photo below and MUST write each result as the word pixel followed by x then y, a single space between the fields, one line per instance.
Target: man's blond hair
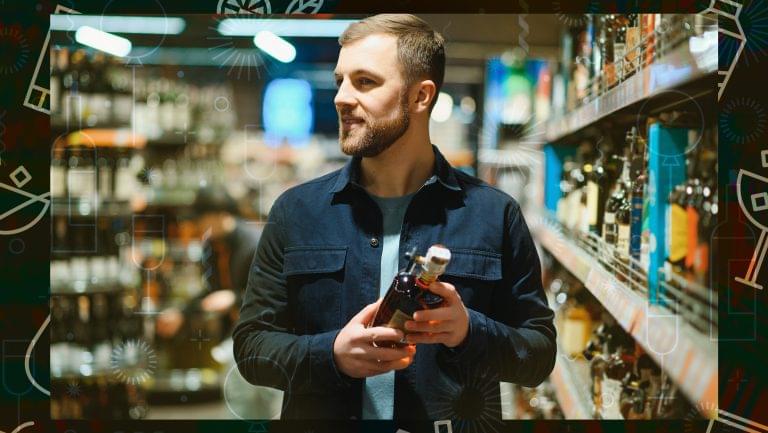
pixel 420 49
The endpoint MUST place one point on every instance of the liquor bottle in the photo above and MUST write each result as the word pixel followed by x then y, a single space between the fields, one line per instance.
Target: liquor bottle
pixel 603 174
pixel 409 291
pixel 634 396
pixel 620 23
pixel 598 23
pixel 623 220
pixel 637 198
pixel 583 45
pixel 566 188
pixel 633 45
pixel 609 52
pixel 677 243
pixel 595 353
pixel 619 195
pixel 619 363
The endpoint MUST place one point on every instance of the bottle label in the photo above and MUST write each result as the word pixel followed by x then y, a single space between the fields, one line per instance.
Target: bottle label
pixel 57 181
pixel 693 236
pixel 611 393
pixel 636 226
pixel 622 242
pixel 632 57
pixel 610 218
pixel 678 243
pixel 398 320
pixel 593 195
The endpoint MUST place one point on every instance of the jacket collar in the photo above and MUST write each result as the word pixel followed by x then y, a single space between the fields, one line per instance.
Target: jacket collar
pixel 443 174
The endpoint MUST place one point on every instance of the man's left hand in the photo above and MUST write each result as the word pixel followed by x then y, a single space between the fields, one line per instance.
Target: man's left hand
pixel 448 324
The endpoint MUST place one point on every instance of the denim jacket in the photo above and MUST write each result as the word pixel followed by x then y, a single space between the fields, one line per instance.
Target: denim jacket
pixel 317 265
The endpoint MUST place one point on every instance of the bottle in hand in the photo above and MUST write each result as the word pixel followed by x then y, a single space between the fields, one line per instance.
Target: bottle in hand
pixel 409 291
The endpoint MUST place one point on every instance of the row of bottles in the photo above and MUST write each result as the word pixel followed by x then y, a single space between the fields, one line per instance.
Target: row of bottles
pixel 600 51
pixel 604 192
pixel 624 381
pixel 94 173
pixel 92 89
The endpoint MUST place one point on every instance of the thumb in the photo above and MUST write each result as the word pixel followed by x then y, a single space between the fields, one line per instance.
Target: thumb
pixel 366 314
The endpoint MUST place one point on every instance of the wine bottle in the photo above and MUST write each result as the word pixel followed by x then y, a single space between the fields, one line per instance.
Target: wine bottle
pixel 409 291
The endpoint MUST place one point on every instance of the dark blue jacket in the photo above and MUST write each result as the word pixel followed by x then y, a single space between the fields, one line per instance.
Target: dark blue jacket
pixel 317 265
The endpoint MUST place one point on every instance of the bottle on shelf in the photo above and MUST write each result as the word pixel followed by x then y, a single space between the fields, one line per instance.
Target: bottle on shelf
pixel 634 46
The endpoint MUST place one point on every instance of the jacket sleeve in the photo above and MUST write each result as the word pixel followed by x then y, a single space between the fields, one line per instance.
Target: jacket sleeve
pixel 516 338
pixel 266 349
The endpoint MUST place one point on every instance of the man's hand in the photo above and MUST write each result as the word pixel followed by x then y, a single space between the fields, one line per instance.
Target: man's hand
pixel 353 349
pixel 448 324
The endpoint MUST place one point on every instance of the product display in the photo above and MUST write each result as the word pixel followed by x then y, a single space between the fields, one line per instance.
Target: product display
pixel 630 192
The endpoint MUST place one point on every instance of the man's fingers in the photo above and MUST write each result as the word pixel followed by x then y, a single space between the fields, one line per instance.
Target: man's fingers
pixel 385 366
pixel 366 314
pixel 446 290
pixel 389 354
pixel 442 313
pixel 432 326
pixel 427 338
pixel 381 333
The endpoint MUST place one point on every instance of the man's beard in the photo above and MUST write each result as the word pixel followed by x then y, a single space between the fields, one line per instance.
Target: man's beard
pixel 378 136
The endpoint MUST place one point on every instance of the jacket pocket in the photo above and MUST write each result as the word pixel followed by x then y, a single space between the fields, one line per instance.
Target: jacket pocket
pixel 314 276
pixel 474 273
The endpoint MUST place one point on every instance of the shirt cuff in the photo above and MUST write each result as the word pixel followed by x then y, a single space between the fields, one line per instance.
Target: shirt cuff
pixel 474 343
pixel 324 373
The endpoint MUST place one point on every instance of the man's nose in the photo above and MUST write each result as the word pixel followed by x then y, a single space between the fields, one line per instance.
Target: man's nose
pixel 344 96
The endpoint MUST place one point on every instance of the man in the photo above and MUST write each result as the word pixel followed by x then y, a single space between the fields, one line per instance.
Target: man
pixel 330 248
pixel 228 251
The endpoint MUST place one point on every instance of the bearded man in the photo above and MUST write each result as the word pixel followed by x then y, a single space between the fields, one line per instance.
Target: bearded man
pixel 333 245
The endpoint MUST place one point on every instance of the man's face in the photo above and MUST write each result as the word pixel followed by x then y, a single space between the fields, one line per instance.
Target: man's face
pixel 372 101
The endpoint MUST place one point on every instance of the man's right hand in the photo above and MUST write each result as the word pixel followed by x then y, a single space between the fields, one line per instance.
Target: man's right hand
pixel 355 354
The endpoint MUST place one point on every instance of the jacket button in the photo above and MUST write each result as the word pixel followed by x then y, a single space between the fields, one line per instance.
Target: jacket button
pixel 374 242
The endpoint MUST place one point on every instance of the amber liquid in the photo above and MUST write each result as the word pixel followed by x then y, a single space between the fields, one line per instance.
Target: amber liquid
pixel 404 297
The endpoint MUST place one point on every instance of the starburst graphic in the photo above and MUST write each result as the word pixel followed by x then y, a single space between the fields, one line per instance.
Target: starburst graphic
pixel 14 50
pixel 73 389
pixel 240 62
pixel 134 361
pixel 575 20
pixel 742 120
pixel 259 7
pixel 471 401
pixel 304 7
pixel 694 419
pixel 754 21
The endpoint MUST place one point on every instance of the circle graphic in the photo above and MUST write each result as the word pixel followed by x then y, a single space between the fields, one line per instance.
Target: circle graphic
pixel 258 7
pixel 14 50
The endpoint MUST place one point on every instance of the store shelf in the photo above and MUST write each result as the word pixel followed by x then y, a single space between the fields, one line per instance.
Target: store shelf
pixel 83 207
pixel 571 390
pixel 684 64
pixel 688 356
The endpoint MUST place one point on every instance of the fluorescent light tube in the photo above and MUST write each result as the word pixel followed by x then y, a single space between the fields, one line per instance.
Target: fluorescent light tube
pixel 103 41
pixel 284 27
pixel 275 46
pixel 117 24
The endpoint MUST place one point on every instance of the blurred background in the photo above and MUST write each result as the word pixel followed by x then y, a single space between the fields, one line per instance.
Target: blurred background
pixel 173 136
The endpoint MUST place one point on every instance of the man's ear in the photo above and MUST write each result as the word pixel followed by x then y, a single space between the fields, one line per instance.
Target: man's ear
pixel 426 93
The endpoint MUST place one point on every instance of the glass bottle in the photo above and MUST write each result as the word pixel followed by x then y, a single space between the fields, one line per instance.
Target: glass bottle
pixel 409 292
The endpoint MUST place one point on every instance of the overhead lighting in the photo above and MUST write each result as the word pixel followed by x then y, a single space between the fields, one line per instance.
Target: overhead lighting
pixel 284 27
pixel 118 24
pixel 275 46
pixel 103 41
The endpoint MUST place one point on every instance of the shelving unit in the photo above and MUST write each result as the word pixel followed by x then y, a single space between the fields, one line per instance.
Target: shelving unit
pixel 688 356
pixel 571 390
pixel 676 69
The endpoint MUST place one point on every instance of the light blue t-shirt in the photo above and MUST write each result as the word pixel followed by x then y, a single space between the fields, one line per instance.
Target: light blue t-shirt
pixel 379 391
